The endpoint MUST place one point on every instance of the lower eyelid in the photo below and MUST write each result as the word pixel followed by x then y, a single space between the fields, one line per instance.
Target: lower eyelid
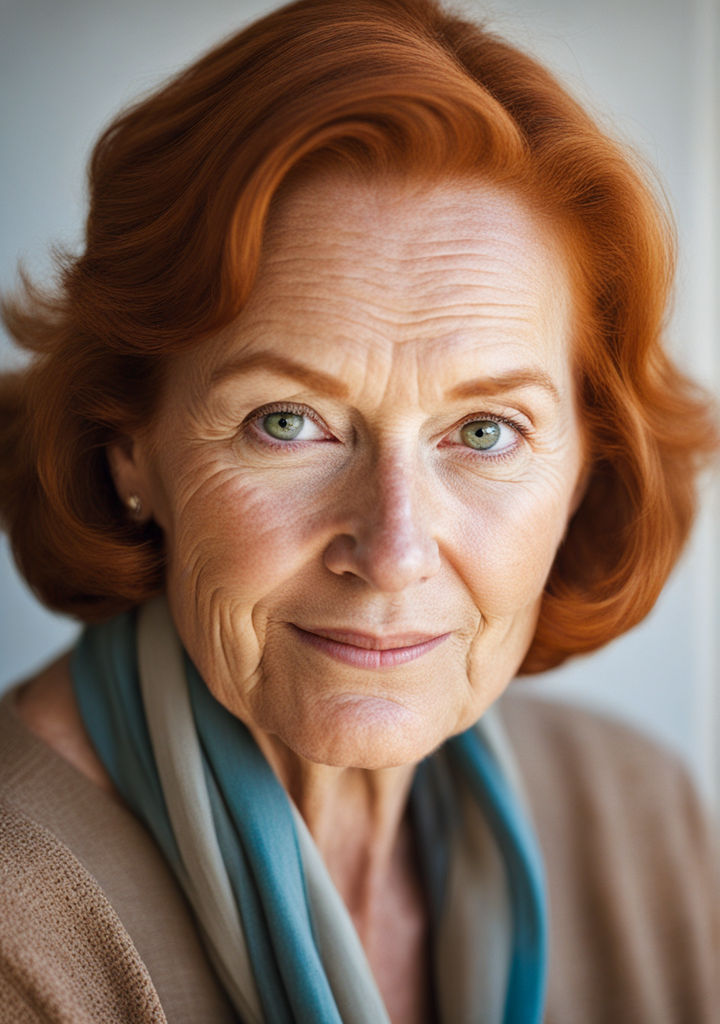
pixel 262 440
pixel 488 454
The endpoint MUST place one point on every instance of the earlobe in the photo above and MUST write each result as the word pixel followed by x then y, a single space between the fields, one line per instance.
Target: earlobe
pixel 129 480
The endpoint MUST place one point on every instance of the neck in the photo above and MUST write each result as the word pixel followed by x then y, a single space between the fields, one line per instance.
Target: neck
pixel 356 816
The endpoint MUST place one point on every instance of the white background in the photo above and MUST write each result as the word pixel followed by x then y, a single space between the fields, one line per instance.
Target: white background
pixel 647 68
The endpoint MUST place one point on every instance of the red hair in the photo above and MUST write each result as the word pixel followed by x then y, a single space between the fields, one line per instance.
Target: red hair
pixel 180 188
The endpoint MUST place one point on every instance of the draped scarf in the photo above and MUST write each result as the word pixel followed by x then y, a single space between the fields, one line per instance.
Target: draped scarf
pixel 274 926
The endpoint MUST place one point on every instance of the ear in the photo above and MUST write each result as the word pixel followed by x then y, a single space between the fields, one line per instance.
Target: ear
pixel 130 479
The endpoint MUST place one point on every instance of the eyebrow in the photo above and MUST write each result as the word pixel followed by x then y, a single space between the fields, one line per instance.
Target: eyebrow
pixel 512 380
pixel 276 363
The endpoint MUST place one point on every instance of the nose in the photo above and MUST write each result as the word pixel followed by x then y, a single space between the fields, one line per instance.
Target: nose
pixel 388 541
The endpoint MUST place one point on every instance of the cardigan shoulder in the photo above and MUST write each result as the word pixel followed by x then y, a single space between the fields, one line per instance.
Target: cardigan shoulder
pixel 89 909
pixel 82 968
pixel 633 868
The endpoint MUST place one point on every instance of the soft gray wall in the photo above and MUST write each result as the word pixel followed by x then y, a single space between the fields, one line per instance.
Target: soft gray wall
pixel 646 66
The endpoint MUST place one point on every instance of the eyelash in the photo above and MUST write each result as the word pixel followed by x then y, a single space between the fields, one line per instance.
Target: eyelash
pixel 489 456
pixel 268 442
pixel 302 410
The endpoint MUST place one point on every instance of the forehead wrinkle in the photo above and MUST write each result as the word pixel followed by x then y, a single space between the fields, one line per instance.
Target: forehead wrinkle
pixel 381 296
pixel 455 331
pixel 451 215
pixel 353 330
pixel 346 253
pixel 362 263
pixel 370 298
pixel 442 232
pixel 336 324
pixel 342 250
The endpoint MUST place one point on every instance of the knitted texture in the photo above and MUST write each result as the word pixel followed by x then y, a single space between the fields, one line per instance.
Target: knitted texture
pixel 65 954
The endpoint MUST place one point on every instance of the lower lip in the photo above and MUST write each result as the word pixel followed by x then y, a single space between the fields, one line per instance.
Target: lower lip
pixel 362 657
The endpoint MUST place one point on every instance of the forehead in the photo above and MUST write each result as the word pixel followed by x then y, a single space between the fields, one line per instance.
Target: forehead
pixel 357 272
pixel 423 236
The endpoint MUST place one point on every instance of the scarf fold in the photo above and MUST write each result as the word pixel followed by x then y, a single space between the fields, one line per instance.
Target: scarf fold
pixel 275 928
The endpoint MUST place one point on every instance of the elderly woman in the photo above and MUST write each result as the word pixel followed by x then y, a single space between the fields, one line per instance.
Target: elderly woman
pixel 353 408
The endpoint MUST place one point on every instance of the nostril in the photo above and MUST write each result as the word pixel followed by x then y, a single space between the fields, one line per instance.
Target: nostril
pixel 383 559
pixel 339 556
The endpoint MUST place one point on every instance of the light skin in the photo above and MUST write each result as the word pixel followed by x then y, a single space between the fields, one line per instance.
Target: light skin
pixel 419 340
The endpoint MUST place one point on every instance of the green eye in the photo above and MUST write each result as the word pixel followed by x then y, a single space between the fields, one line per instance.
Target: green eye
pixel 481 434
pixel 284 426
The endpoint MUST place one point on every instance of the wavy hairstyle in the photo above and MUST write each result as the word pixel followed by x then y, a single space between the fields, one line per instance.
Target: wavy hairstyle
pixel 180 188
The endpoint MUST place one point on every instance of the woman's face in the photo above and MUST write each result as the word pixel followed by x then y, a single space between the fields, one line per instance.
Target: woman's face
pixel 364 480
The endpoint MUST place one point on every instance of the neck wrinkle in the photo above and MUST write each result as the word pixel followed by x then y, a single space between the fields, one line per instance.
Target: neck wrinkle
pixel 354 815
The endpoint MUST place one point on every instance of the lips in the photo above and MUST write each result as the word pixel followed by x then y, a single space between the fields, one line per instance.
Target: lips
pixel 366 650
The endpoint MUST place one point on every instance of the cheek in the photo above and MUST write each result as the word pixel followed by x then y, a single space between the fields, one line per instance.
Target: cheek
pixel 507 541
pixel 238 536
pixel 231 541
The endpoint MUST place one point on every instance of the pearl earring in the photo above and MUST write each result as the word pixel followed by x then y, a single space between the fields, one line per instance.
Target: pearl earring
pixel 134 504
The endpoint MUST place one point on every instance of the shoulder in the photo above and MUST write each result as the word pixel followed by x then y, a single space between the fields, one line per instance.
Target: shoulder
pixel 599 761
pixel 64 954
pixel 631 859
pixel 102 916
pixel 565 733
pixel 46 705
pixel 597 783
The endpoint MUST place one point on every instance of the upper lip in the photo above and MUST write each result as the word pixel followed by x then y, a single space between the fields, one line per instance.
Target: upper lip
pixel 371 641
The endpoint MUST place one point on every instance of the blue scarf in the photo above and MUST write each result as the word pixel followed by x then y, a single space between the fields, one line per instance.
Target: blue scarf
pixel 257 830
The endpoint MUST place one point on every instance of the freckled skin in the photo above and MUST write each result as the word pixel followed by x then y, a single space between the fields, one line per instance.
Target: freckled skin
pixel 383 521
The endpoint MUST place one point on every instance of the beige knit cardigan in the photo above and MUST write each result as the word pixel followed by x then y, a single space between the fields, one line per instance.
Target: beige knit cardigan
pixel 93 927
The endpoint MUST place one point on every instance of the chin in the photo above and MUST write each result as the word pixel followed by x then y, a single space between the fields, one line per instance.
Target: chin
pixel 366 732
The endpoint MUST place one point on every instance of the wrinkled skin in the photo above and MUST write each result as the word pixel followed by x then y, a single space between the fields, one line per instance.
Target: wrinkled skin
pixel 378 518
